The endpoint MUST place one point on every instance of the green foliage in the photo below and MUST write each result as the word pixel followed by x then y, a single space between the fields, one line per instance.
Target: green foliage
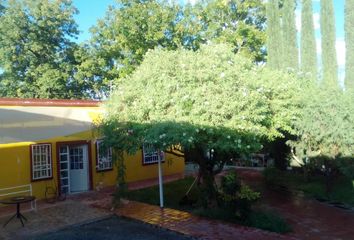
pixel 274 36
pixel 268 221
pixel 236 197
pixel 174 191
pixel 183 97
pixel 326 125
pixel 342 190
pixel 308 62
pixel 36 53
pixel 127 32
pixel 120 40
pixel 328 41
pixel 230 183
pixel 349 44
pixel 211 102
pixel 290 55
pixel 239 23
pixel 346 166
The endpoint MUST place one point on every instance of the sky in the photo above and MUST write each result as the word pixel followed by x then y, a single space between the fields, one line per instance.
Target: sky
pixel 92 10
pixel 89 12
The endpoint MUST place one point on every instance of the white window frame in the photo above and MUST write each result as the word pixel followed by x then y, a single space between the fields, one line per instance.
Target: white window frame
pixel 104 162
pixel 151 157
pixel 41 161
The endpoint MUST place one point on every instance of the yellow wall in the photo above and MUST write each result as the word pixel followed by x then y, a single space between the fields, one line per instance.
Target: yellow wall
pixel 15 165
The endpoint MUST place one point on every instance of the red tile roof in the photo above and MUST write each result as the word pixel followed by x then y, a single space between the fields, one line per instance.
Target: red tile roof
pixel 48 102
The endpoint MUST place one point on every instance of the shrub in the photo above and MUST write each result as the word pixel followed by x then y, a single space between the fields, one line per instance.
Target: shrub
pixel 236 197
pixel 268 221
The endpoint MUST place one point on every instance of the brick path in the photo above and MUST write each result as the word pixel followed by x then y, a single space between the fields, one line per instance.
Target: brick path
pixel 309 219
pixel 190 225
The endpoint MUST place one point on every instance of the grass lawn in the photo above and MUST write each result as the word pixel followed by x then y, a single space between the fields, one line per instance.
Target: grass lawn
pixel 174 192
pixel 342 190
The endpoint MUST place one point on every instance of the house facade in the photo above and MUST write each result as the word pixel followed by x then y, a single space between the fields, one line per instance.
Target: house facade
pixel 53 144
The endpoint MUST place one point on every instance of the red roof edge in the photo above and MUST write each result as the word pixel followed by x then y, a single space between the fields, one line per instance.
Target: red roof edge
pixel 48 102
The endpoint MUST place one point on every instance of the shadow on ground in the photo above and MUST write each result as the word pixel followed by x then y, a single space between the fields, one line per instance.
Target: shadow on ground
pixel 112 228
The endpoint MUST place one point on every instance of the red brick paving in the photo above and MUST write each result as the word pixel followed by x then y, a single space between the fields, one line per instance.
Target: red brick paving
pixel 191 225
pixel 310 219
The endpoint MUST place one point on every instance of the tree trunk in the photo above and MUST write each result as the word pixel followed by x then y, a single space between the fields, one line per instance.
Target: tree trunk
pixel 207 176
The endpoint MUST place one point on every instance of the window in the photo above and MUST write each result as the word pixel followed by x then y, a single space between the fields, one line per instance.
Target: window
pixel 41 161
pixel 150 154
pixel 104 157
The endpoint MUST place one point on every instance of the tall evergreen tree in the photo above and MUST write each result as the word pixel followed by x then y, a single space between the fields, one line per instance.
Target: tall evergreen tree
pixel 308 43
pixel 274 36
pixel 290 54
pixel 328 31
pixel 349 43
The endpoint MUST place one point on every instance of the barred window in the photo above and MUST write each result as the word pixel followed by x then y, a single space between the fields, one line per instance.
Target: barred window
pixel 41 161
pixel 104 157
pixel 150 154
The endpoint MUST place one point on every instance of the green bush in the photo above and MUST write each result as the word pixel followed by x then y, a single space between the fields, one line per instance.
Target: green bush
pixel 236 197
pixel 268 221
pixel 230 184
pixel 346 167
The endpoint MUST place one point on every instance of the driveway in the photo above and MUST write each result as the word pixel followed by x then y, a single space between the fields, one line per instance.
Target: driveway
pixel 112 228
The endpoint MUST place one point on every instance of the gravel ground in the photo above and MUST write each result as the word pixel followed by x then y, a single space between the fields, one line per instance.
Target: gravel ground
pixel 112 228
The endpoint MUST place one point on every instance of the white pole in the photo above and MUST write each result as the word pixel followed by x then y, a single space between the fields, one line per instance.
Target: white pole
pixel 160 180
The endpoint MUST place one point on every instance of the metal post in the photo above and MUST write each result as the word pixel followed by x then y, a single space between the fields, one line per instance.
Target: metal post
pixel 160 180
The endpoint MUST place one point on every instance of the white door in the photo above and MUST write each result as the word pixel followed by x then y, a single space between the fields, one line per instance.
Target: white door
pixel 79 167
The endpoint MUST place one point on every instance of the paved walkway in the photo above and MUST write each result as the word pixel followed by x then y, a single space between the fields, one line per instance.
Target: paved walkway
pixel 190 225
pixel 310 219
pixel 50 218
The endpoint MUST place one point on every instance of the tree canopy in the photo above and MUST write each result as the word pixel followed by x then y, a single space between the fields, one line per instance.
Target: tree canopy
pixel 39 58
pixel 290 46
pixel 349 44
pixel 128 31
pixel 210 99
pixel 36 50
pixel 308 62
pixel 274 36
pixel 328 42
pixel 326 125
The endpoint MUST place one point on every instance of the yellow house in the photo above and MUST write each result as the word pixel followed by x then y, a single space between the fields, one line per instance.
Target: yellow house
pixel 51 143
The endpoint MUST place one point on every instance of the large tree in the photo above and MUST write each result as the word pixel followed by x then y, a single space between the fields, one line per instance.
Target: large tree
pixel 308 53
pixel 36 50
pixel 128 31
pixel 274 36
pixel 212 103
pixel 349 44
pixel 328 42
pixel 240 23
pixel 325 131
pixel 290 54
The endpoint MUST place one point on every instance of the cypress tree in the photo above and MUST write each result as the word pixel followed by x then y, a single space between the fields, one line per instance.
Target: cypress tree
pixel 328 32
pixel 290 54
pixel 308 42
pixel 349 44
pixel 274 38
